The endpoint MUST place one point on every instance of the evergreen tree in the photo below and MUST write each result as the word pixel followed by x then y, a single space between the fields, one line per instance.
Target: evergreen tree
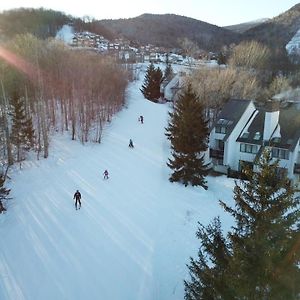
pixel 3 193
pixel 259 259
pixel 152 81
pixel 22 133
pixel 221 58
pixel 188 132
pixel 209 282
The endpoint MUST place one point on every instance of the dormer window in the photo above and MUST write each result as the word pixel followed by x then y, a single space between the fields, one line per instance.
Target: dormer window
pixel 245 135
pixel 276 140
pixel 256 136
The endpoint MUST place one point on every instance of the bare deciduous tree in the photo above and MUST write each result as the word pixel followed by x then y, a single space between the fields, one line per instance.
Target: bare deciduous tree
pixel 64 89
pixel 250 54
pixel 190 49
pixel 214 87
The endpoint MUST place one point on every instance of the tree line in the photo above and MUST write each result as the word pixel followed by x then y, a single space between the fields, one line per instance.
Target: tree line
pixel 43 23
pixel 47 87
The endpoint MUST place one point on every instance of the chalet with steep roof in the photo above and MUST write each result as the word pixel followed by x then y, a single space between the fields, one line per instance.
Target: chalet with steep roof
pixel 244 129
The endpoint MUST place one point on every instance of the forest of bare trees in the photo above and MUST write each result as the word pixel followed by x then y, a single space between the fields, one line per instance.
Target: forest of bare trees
pixel 45 87
pixel 215 87
pixel 246 76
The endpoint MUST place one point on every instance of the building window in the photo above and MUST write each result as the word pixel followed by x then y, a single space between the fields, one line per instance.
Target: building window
pixel 220 129
pixel 276 140
pixel 245 135
pixel 248 148
pixel 280 153
pixel 256 136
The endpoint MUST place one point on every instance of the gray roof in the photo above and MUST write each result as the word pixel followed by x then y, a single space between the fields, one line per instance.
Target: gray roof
pixel 257 125
pixel 289 122
pixel 232 112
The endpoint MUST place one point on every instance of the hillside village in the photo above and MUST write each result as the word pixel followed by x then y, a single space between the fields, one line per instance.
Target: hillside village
pixel 121 49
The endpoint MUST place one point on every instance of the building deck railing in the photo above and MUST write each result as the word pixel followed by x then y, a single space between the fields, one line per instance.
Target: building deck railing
pixel 214 153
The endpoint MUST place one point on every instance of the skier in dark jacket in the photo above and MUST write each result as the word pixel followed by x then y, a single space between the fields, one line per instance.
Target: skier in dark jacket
pixel 77 197
pixel 141 119
pixel 105 173
pixel 130 144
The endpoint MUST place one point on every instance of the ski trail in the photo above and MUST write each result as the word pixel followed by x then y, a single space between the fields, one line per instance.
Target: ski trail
pixel 135 232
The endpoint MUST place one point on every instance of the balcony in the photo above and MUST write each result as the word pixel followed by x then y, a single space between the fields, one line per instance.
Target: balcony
pixel 218 154
pixel 297 169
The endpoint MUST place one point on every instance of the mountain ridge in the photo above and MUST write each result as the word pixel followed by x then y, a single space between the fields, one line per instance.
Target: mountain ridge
pixel 167 29
pixel 163 29
pixel 242 27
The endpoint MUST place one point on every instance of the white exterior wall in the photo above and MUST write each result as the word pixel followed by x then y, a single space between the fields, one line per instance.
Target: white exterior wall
pixel 250 122
pixel 168 88
pixel 207 159
pixel 213 137
pixel 294 158
pixel 271 121
pixel 232 148
pixel 287 164
pixel 297 153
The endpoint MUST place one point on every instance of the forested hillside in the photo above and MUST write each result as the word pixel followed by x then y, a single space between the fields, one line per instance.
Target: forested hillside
pixel 242 27
pixel 167 30
pixel 276 33
pixel 42 23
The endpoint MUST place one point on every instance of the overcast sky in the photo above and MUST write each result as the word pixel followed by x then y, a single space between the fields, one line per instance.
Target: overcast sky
pixel 218 12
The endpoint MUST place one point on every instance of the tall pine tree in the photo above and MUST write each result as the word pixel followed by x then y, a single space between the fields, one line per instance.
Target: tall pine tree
pixel 188 132
pixel 221 58
pixel 22 133
pixel 152 81
pixel 260 257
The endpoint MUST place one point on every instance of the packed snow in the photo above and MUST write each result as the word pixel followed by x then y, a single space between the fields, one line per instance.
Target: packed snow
pixel 293 46
pixel 134 233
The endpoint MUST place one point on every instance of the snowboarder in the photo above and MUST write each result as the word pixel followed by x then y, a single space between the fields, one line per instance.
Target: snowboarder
pixel 130 144
pixel 105 173
pixel 77 197
pixel 141 119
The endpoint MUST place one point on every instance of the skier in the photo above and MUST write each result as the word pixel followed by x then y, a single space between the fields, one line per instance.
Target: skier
pixel 130 144
pixel 77 197
pixel 105 173
pixel 141 119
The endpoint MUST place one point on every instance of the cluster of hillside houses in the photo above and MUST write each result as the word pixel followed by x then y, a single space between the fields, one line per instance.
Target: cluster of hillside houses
pixel 120 47
pixel 122 50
